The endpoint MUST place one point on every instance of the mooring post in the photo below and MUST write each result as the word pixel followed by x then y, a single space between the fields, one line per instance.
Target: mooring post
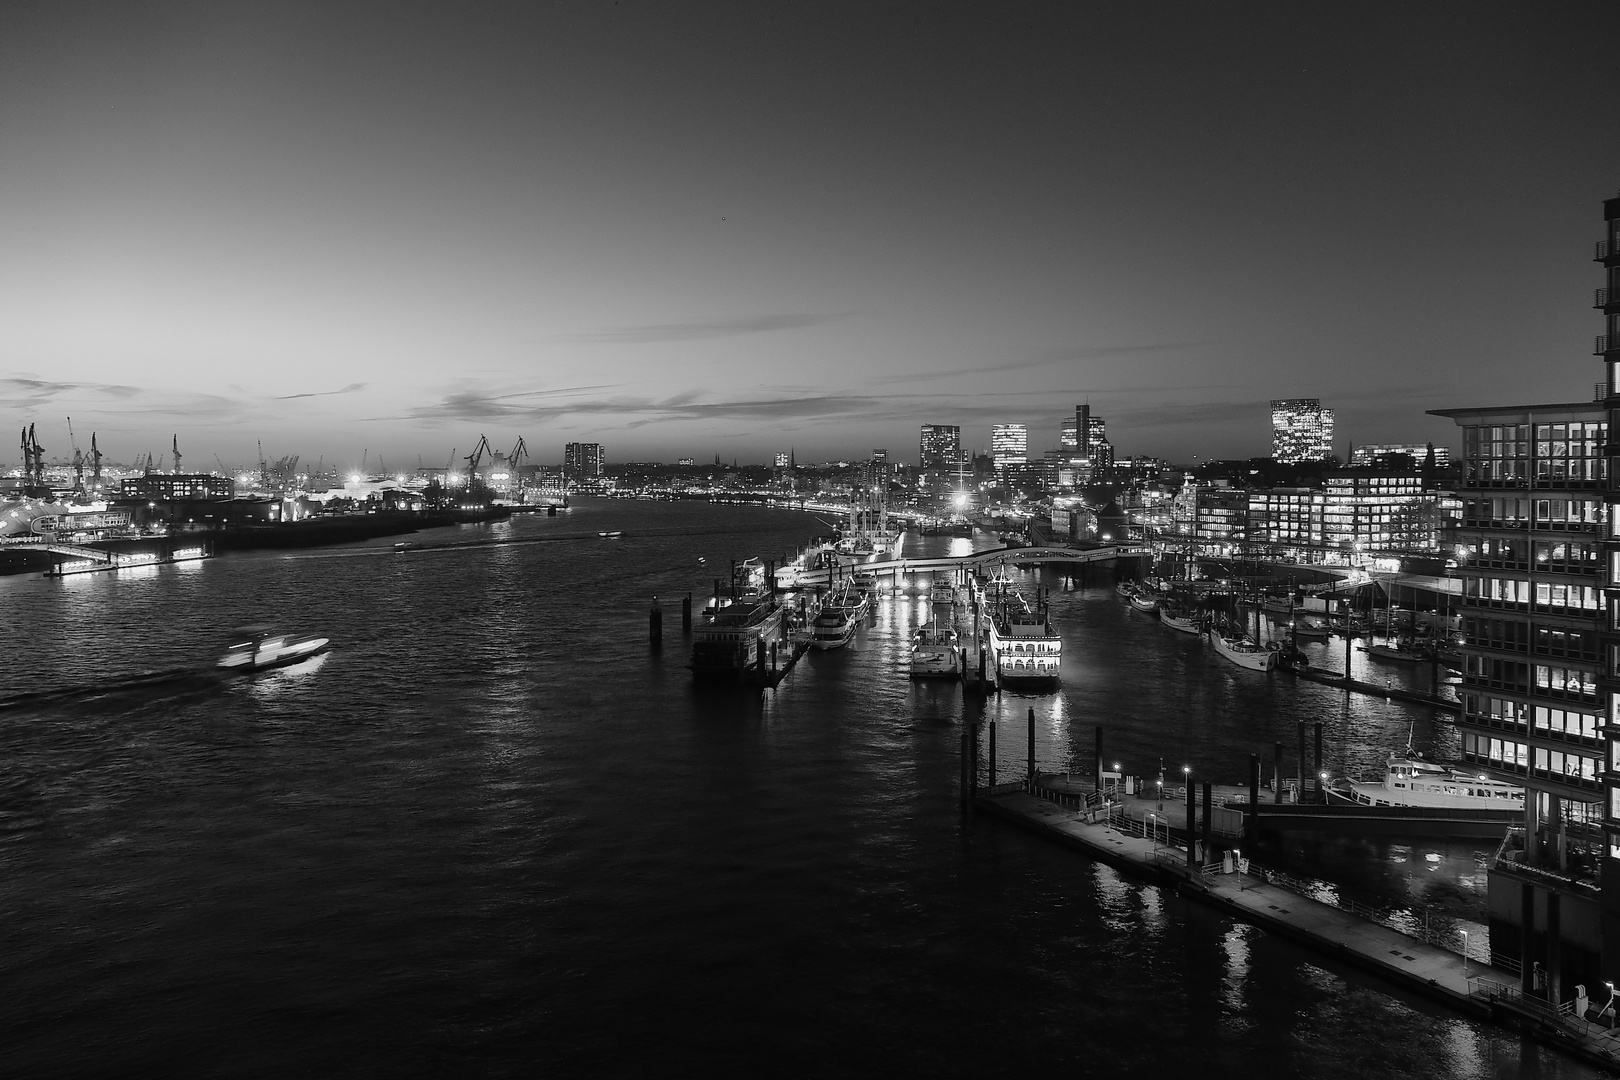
pixel 1192 835
pixel 1032 748
pixel 686 614
pixel 1208 828
pixel 967 752
pixel 655 624
pixel 1254 800
pixel 973 780
pixel 1099 769
pixel 1276 772
pixel 992 767
pixel 1321 795
pixel 1299 730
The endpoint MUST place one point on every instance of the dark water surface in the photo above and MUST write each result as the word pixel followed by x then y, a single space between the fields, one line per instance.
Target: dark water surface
pixel 493 833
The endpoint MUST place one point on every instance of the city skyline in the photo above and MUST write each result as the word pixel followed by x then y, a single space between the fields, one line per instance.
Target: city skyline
pixel 718 229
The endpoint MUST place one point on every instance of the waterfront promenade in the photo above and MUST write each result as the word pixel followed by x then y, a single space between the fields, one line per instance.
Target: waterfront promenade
pixel 1470 986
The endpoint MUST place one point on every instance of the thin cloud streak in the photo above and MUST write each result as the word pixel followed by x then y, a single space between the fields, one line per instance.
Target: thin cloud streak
pixel 1101 352
pixel 350 389
pixel 707 330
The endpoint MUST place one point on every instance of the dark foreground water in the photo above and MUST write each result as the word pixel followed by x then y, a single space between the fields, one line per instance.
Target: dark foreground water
pixel 492 833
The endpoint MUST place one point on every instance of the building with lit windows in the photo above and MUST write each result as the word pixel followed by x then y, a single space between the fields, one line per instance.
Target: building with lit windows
pixel 177 487
pixel 582 461
pixel 1009 444
pixel 1377 511
pixel 1301 430
pixel 939 455
pixel 1529 549
pixel 1376 453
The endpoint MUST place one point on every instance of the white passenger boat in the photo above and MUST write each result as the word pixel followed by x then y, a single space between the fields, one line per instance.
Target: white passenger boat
pixel 1411 781
pixel 1144 601
pixel 1243 652
pixel 833 627
pixel 1025 651
pixel 936 653
pixel 257 648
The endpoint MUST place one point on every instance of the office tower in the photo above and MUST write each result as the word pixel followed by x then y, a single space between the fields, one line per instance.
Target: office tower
pixel 582 461
pixel 1301 430
pixel 941 448
pixel 1009 444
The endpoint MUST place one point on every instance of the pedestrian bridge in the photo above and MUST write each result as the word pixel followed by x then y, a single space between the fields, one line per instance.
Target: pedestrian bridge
pixel 894 569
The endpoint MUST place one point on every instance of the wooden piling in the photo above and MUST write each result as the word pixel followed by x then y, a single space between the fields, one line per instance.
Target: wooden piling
pixel 992 765
pixel 1032 747
pixel 1254 800
pixel 1099 769
pixel 1276 772
pixel 1192 835
pixel 686 614
pixel 1321 795
pixel 655 624
pixel 1208 828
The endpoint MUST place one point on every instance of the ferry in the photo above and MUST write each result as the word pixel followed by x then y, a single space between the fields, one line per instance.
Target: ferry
pixel 257 648
pixel 739 637
pixel 1025 651
pixel 936 653
pixel 1243 652
pixel 1411 781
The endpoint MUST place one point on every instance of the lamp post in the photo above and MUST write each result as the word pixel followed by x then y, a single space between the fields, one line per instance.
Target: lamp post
pixel 1161 783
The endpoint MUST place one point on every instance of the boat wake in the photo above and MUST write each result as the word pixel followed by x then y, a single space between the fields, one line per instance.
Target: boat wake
pixel 143 688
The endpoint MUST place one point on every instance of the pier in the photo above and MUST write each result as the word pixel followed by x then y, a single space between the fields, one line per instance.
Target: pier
pixel 1100 830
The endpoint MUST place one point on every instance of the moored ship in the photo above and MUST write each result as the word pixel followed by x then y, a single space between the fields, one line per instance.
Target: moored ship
pixel 740 636
pixel 1025 651
pixel 1244 652
pixel 936 652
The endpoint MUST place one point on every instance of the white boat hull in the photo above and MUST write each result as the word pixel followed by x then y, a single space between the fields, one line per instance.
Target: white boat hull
pixel 1186 626
pixel 1245 654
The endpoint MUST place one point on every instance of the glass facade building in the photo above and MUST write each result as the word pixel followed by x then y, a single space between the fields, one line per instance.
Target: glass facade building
pixel 1301 430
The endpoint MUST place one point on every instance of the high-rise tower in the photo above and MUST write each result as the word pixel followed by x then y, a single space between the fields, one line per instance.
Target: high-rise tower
pixel 1301 430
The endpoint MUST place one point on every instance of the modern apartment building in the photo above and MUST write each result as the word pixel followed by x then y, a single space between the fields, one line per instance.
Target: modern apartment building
pixel 1301 430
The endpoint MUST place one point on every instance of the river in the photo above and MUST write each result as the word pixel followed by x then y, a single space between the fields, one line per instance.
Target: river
pixel 493 832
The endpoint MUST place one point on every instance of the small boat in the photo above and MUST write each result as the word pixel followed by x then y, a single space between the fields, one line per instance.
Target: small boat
pixel 1187 624
pixel 614 535
pixel 1306 629
pixel 1144 601
pixel 258 648
pixel 833 627
pixel 1389 650
pixel 1243 652
pixel 935 653
pixel 1125 588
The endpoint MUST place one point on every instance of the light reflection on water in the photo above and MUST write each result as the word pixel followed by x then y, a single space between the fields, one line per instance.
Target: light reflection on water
pixel 492 823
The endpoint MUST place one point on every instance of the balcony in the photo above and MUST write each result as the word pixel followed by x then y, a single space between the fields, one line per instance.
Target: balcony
pixel 1601 297
pixel 1603 251
pixel 1602 344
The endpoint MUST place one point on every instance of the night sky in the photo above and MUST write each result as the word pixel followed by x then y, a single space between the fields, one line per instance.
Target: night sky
pixel 697 229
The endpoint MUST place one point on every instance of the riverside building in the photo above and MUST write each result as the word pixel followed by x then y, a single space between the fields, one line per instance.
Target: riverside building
pixel 1009 444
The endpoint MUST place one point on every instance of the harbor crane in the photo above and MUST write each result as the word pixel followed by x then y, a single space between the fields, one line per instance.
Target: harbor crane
pixel 477 456
pixel 78 459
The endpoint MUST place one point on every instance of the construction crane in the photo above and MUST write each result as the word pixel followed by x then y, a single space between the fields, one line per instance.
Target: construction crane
pixel 78 459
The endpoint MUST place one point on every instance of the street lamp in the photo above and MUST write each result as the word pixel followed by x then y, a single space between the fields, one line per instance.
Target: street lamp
pixel 1161 783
